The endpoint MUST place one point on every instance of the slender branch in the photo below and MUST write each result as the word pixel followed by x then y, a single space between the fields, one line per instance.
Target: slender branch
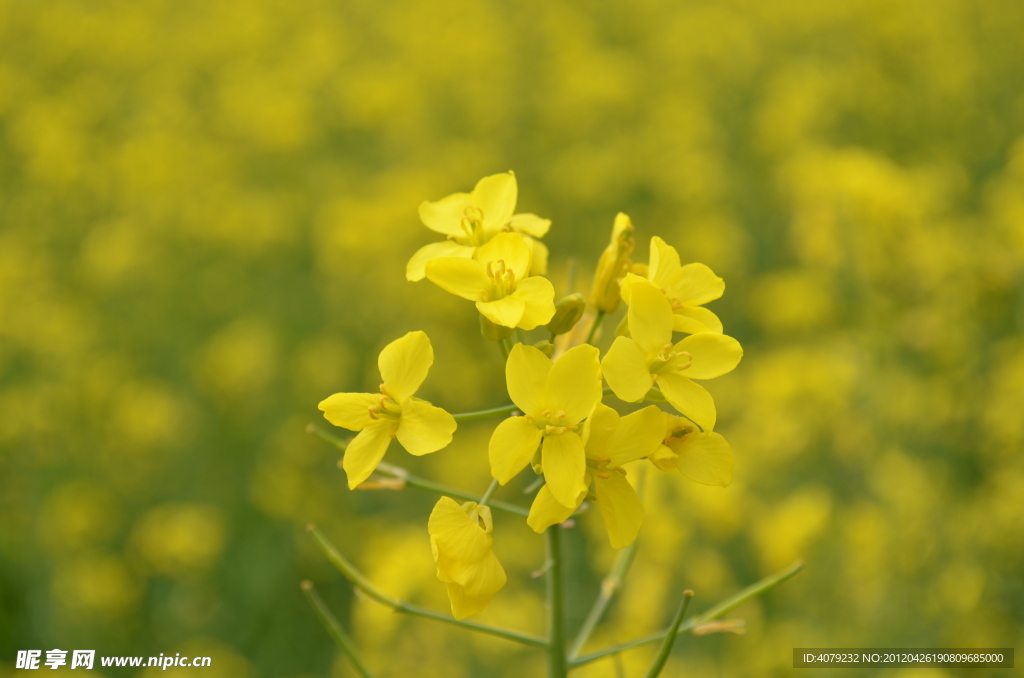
pixel 363 584
pixel 485 414
pixel 334 628
pixel 670 637
pixel 611 584
pixel 399 473
pixel 558 666
pixel 593 328
pixel 715 612
pixel 487 495
pixel 609 587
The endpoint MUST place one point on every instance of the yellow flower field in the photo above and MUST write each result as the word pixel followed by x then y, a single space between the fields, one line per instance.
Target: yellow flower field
pixel 214 216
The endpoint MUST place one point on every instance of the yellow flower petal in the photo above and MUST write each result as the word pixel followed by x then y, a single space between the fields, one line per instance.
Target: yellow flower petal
pixel 689 398
pixel 598 430
pixel 530 224
pixel 445 215
pixel 538 295
pixel 465 278
pixel 705 458
pixel 481 578
pixel 697 284
pixel 663 269
pixel 415 269
pixel 626 369
pixel 565 466
pixel 694 319
pixel 496 195
pixel 424 428
pixel 349 410
pixel 650 316
pixel 574 383
pixel 637 435
pixel 404 364
pixel 463 604
pixel 712 355
pixel 665 459
pixel 512 447
pixel 457 536
pixel 546 511
pixel 507 311
pixel 526 373
pixel 621 509
pixel 366 450
pixel 511 249
pixel 539 252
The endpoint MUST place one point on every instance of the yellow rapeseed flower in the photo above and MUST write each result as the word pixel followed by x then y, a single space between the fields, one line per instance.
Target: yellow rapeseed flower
pixel 634 364
pixel 612 266
pixel 498 280
pixel 460 539
pixel 610 441
pixel 704 458
pixel 554 398
pixel 687 288
pixel 473 219
pixel 420 427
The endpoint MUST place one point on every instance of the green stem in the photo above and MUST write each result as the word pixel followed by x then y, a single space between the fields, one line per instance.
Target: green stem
pixel 611 584
pixel 334 628
pixel 485 414
pixel 670 637
pixel 487 495
pixel 363 584
pixel 609 587
pixel 593 328
pixel 503 345
pixel 400 473
pixel 558 666
pixel 715 612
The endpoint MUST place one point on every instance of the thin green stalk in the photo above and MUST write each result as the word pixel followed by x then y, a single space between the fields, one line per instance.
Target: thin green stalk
pixel 400 473
pixel 558 666
pixel 715 612
pixel 334 628
pixel 503 345
pixel 593 328
pixel 670 637
pixel 609 587
pixel 485 414
pixel 363 584
pixel 487 495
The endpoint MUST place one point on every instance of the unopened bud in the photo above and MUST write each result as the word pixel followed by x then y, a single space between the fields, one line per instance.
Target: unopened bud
pixel 613 265
pixel 493 332
pixel 546 347
pixel 568 312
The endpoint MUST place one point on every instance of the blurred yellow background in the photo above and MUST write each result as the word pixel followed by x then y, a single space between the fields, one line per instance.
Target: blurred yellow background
pixel 205 213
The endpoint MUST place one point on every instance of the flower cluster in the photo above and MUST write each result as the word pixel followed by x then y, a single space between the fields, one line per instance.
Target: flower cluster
pixel 561 427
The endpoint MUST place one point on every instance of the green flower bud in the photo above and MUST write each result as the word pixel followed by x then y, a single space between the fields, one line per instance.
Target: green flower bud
pixel 568 312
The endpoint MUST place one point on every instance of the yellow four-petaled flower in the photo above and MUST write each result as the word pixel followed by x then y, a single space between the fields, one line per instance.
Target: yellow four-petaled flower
pixel 420 427
pixel 634 364
pixel 460 539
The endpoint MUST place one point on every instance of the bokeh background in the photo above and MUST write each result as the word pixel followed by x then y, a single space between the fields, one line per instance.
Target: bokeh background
pixel 205 212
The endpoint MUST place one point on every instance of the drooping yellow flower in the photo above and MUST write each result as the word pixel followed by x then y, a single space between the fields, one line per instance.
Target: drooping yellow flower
pixel 612 266
pixel 460 539
pixel 704 458
pixel 554 398
pixel 498 280
pixel 634 364
pixel 420 427
pixel 472 219
pixel 609 441
pixel 687 288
